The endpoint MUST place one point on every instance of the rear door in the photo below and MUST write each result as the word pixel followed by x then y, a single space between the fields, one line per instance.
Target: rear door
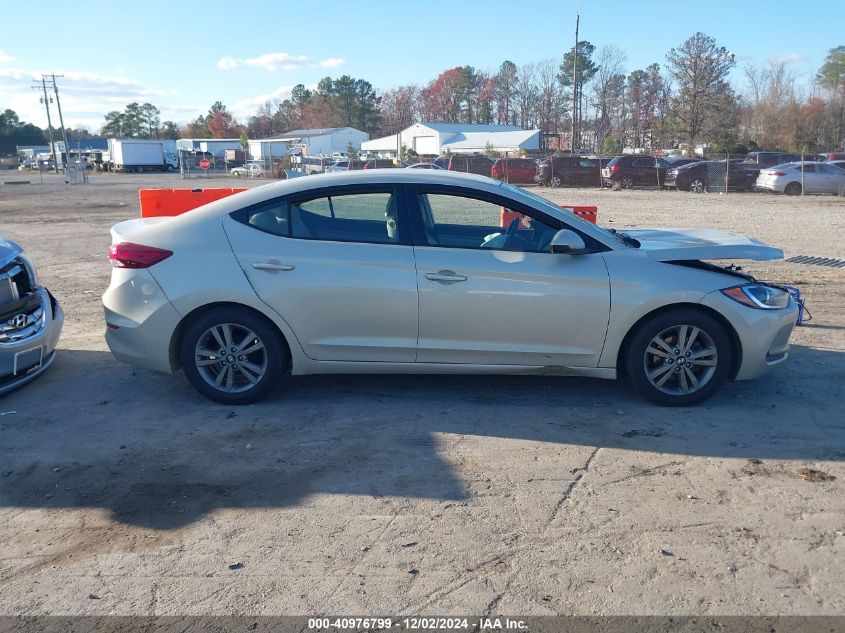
pixel 338 266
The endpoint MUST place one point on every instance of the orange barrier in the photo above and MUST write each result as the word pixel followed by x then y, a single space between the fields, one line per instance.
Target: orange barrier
pixel 169 202
pixel 587 213
pixel 507 216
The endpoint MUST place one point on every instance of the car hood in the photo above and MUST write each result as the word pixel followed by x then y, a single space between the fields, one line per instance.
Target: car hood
pixel 685 244
pixel 8 250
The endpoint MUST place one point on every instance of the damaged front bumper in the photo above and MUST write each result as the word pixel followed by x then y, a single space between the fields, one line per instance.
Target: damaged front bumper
pixel 28 338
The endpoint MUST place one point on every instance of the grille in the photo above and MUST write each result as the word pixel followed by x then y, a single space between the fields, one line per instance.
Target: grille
pixel 22 325
pixel 21 312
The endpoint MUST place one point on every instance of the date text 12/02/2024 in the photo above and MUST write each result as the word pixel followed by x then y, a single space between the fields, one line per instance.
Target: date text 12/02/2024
pixel 417 624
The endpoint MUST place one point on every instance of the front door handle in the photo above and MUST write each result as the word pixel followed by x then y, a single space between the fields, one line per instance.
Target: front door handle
pixel 445 276
pixel 271 266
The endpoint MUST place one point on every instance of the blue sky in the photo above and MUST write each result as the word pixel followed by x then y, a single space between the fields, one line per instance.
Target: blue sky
pixel 183 56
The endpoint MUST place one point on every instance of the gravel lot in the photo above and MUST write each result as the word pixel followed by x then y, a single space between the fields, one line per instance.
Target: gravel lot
pixel 124 492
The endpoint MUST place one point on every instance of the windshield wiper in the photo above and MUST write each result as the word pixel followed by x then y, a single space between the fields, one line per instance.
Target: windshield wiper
pixel 625 238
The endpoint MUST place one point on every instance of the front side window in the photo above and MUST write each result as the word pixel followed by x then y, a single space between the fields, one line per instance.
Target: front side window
pixel 457 221
pixel 354 217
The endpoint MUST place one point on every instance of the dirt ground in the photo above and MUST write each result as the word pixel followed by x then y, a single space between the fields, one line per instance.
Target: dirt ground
pixel 124 492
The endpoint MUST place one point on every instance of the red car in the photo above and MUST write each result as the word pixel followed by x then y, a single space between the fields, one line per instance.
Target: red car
pixel 518 170
pixel 835 156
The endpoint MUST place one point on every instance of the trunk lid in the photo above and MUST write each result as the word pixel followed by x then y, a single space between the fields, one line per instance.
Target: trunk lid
pixel 688 244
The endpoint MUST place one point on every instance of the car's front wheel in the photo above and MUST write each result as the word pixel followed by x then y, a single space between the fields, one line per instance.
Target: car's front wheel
pixel 232 356
pixel 678 358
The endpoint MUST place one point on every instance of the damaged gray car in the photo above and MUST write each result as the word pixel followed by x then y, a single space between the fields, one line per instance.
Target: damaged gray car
pixel 30 320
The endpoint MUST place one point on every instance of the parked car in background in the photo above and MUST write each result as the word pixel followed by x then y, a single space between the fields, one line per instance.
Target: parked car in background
pixel 315 164
pixel 30 320
pixel 816 178
pixel 837 163
pixel 297 277
pixel 250 170
pixel 769 159
pixel 380 163
pixel 635 171
pixel 571 171
pixel 345 165
pixel 703 176
pixel 834 156
pixel 424 166
pixel 679 161
pixel 516 170
pixel 469 164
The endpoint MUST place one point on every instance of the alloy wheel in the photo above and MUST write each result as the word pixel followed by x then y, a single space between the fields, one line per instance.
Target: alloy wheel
pixel 230 357
pixel 697 186
pixel 627 182
pixel 680 360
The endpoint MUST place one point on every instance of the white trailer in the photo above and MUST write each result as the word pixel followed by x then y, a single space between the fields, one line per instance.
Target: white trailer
pixel 140 155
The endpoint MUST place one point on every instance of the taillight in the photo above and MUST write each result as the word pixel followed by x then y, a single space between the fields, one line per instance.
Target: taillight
pixel 613 168
pixel 129 255
pixel 673 172
pixel 777 173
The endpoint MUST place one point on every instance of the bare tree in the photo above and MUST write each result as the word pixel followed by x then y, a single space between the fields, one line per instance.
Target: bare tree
pixel 700 69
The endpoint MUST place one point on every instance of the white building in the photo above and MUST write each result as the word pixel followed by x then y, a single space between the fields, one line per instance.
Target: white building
pixel 262 148
pixel 326 141
pixel 215 146
pixel 458 138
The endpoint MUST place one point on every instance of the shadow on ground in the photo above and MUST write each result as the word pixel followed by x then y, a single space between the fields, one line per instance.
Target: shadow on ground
pixel 99 434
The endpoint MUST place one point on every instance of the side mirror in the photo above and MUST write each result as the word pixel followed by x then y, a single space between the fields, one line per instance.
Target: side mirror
pixel 567 242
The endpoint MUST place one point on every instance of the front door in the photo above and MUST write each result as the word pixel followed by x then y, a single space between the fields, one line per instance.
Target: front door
pixel 495 295
pixel 338 267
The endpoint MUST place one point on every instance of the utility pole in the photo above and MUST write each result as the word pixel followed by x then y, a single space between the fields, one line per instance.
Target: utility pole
pixel 61 122
pixel 46 102
pixel 575 82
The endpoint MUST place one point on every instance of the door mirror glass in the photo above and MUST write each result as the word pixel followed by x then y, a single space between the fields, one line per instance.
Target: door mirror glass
pixel 567 242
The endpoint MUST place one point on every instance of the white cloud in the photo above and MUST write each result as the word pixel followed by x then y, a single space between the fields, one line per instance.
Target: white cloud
pixel 85 97
pixel 5 57
pixel 246 108
pixel 273 61
pixel 790 58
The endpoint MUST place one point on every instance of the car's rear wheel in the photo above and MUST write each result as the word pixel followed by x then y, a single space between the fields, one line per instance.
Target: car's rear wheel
pixel 626 182
pixel 697 186
pixel 556 181
pixel 678 358
pixel 793 189
pixel 232 356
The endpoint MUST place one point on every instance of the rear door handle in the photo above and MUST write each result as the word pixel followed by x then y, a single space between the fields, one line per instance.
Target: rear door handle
pixel 271 266
pixel 445 276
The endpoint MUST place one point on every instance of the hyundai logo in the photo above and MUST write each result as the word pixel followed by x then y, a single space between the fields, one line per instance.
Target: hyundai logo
pixel 18 321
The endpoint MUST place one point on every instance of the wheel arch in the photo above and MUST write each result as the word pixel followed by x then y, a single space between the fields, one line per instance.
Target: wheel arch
pixel 736 344
pixel 179 331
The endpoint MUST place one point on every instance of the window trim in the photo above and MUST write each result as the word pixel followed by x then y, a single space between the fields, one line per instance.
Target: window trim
pixel 404 228
pixel 418 230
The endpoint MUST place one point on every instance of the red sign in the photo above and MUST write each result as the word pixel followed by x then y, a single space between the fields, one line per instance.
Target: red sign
pixel 205 163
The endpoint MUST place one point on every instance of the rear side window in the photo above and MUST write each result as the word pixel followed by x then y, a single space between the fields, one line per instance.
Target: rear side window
pixel 644 162
pixel 355 217
pixel 271 217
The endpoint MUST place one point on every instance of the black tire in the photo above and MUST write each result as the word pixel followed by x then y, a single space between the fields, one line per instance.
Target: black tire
pixel 274 357
pixel 170 168
pixel 637 361
pixel 626 182
pixel 556 181
pixel 697 185
pixel 139 169
pixel 793 189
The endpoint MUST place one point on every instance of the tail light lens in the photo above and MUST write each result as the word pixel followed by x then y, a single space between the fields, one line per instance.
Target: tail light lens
pixel 613 168
pixel 673 172
pixel 777 173
pixel 129 255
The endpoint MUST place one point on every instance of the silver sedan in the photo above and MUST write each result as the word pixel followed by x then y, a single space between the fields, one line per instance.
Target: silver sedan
pixel 809 177
pixel 428 271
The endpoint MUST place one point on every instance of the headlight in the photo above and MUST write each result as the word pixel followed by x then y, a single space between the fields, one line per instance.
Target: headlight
pixel 759 296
